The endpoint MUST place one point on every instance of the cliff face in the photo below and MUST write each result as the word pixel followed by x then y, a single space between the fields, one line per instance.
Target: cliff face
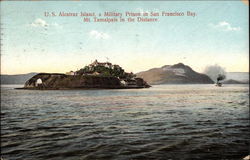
pixel 174 74
pixel 62 81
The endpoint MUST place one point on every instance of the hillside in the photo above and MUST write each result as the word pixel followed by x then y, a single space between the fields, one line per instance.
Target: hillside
pixel 174 74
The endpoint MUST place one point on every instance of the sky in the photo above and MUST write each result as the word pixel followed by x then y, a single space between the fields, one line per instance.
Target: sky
pixel 32 42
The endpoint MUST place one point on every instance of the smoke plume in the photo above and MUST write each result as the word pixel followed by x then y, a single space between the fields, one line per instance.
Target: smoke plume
pixel 215 72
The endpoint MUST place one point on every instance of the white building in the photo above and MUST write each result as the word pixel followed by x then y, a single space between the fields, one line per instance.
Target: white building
pixel 70 73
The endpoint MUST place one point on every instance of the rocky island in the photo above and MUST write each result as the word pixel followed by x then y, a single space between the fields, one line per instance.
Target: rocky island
pixel 94 76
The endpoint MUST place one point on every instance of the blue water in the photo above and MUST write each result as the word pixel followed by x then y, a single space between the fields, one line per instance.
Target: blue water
pixel 163 122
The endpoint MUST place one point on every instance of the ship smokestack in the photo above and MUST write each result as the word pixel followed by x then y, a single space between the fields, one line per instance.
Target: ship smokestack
pixel 220 77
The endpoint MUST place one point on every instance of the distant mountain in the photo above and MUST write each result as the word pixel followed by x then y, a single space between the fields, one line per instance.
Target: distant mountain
pixel 174 74
pixel 16 79
pixel 238 76
pixel 231 81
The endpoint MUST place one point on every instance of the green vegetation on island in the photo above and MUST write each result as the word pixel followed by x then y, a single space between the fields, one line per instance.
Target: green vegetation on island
pixel 105 69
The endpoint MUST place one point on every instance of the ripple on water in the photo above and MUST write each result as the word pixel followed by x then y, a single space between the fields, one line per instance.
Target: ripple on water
pixel 162 122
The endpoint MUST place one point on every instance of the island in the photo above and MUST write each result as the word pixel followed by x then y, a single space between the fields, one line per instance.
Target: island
pixel 96 75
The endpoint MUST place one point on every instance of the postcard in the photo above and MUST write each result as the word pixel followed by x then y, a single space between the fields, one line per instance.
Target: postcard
pixel 124 80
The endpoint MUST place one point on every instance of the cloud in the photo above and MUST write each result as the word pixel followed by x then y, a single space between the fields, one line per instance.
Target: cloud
pixel 39 23
pixel 42 23
pixel 99 35
pixel 225 26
